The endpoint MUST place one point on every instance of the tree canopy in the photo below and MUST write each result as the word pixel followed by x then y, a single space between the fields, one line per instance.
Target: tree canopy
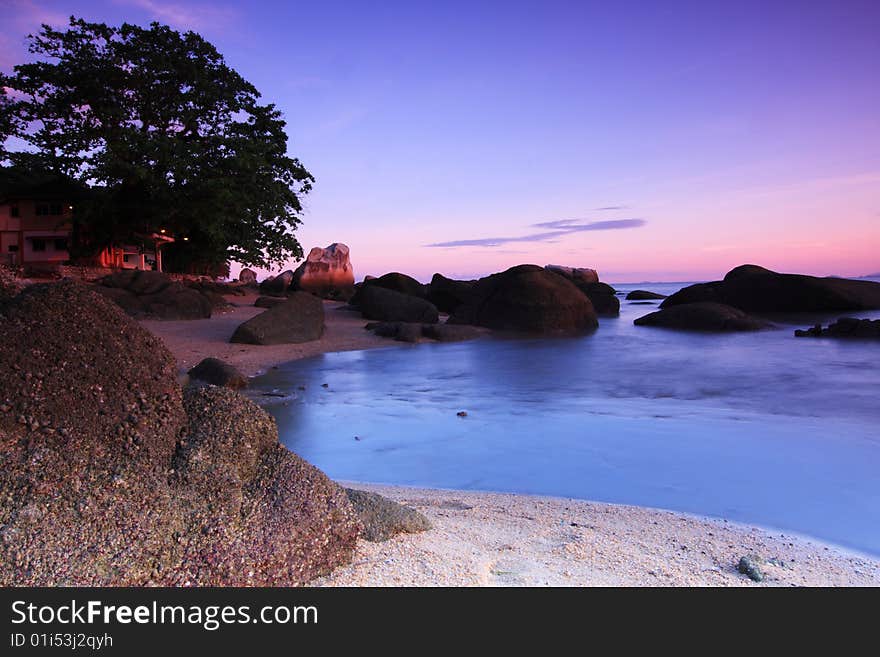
pixel 168 136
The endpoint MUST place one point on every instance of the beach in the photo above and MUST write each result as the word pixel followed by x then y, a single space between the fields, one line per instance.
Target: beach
pixel 489 539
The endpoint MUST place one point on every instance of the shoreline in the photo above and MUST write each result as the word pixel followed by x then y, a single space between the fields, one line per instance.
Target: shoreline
pixel 510 539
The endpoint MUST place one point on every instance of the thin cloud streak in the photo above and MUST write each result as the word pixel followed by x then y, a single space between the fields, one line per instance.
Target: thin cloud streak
pixel 564 227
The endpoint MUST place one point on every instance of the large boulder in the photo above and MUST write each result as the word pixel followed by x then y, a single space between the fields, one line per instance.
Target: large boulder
pixel 299 319
pixel 152 295
pixel 703 316
pixel 530 299
pixel 247 276
pixel 601 295
pixel 399 283
pixel 379 303
pixel 759 290
pixel 644 295
pixel 448 294
pixel 108 478
pixel 218 373
pixel 277 284
pixel 326 272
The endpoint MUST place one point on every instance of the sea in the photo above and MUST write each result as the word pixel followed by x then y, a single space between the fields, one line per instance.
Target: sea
pixel 760 428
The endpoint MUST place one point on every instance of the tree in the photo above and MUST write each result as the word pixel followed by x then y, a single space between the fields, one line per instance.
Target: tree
pixel 168 136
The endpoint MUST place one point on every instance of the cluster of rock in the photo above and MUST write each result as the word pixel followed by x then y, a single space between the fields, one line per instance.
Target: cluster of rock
pixel 416 331
pixel 722 305
pixel 152 295
pixel 526 298
pixel 111 475
pixel 845 327
pixel 326 273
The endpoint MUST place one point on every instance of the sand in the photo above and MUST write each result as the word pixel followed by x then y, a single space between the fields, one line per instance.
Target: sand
pixel 493 539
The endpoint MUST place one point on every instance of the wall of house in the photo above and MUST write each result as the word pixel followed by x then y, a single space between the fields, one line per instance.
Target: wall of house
pixel 17 234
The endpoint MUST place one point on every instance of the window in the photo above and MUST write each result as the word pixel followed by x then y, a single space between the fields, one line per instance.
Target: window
pixel 39 244
pixel 41 209
pixel 13 211
pixel 61 244
pixel 13 248
pixel 56 209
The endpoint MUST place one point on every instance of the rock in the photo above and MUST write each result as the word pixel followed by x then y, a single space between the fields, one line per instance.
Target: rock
pixel 845 327
pixel 577 275
pixel 751 566
pixel 703 317
pixel 399 283
pixel 247 276
pixel 755 289
pixel 448 294
pixel 528 298
pixel 379 303
pixel 218 373
pixel 152 295
pixel 269 302
pixel 136 486
pixel 383 518
pixel 603 297
pixel 326 272
pixel 277 284
pixel 10 285
pixel 299 319
pixel 452 332
pixel 643 295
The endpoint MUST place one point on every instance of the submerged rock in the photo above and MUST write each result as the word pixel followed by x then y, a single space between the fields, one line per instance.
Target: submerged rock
pixel 845 327
pixel 299 319
pixel 703 317
pixel 382 518
pixel 756 289
pixel 414 331
pixel 644 295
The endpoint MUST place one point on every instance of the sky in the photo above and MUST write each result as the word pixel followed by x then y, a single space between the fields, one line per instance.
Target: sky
pixel 651 141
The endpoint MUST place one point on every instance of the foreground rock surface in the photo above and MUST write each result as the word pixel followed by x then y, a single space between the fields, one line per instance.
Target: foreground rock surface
pixel 703 317
pixel 382 518
pixel 108 477
pixel 299 319
pixel 150 294
pixel 756 289
pixel 528 298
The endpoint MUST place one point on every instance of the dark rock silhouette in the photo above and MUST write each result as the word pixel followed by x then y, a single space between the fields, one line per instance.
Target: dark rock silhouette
pixel 152 295
pixel 643 295
pixel 703 316
pixel 845 327
pixel 380 303
pixel 299 319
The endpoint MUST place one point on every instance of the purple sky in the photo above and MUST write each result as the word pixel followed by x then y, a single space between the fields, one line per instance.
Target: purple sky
pixel 652 141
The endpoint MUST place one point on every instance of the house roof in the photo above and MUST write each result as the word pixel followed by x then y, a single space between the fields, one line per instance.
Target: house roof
pixel 44 188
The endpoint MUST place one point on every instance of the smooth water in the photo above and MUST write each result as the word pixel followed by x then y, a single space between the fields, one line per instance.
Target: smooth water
pixel 761 428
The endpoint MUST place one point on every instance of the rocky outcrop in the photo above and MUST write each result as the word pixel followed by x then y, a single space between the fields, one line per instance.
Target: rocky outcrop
pixel 299 319
pixel 414 331
pixel 218 373
pixel 277 284
pixel 152 295
pixel 577 275
pixel 755 289
pixel 247 276
pixel 528 298
pixel 399 283
pixel 326 272
pixel 601 295
pixel 379 303
pixel 704 316
pixel 845 327
pixel 382 518
pixel 644 295
pixel 448 294
pixel 109 478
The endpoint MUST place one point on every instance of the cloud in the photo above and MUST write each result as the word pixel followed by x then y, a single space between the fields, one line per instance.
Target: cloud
pixel 185 16
pixel 562 228
pixel 610 207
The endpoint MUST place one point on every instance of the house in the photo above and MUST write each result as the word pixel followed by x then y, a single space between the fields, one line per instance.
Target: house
pixel 36 226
